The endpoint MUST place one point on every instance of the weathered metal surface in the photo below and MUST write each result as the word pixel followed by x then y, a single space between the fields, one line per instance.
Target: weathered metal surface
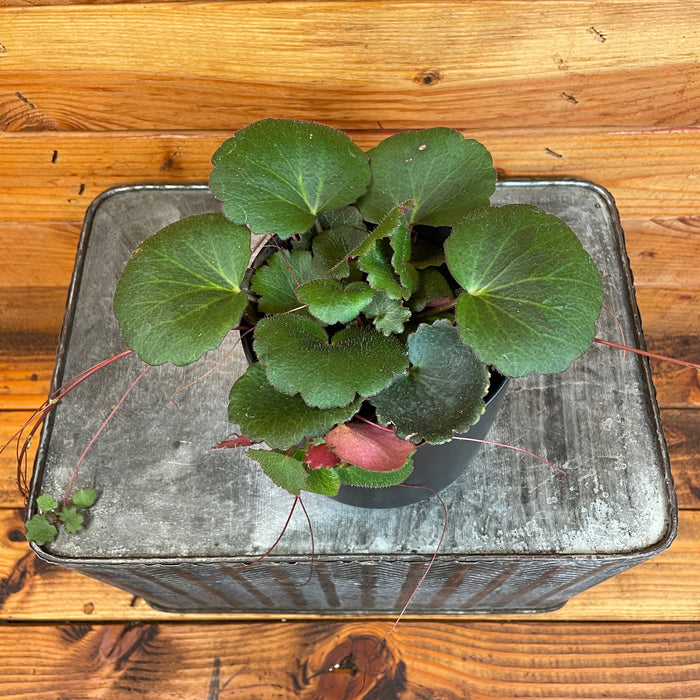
pixel 175 520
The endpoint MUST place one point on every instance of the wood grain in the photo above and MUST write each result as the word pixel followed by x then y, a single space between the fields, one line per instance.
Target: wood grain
pixel 352 660
pixel 666 588
pixel 54 176
pixel 487 63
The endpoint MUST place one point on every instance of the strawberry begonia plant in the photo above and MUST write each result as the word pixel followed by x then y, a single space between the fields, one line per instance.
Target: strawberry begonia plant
pixel 387 292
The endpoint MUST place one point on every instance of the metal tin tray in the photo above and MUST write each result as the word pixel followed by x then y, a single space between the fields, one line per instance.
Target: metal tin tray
pixel 176 521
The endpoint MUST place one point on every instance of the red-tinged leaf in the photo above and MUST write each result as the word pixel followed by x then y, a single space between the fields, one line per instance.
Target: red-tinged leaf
pixel 369 446
pixel 320 457
pixel 238 441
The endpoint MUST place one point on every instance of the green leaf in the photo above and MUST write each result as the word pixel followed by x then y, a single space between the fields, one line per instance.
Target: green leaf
pixel 401 245
pixel 331 303
pixel 444 174
pixel 84 498
pixel 299 358
pixel 395 219
pixel 354 476
pixel 345 216
pixel 323 481
pixel 388 314
pixel 532 293
pixel 381 274
pixel 432 287
pixel 264 413
pixel 276 175
pixel 39 530
pixel 46 502
pixel 180 293
pixel 333 247
pixel 72 520
pixel 276 282
pixel 286 472
pixel 442 392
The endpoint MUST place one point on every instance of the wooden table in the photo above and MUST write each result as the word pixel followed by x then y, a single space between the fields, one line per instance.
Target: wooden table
pixel 97 95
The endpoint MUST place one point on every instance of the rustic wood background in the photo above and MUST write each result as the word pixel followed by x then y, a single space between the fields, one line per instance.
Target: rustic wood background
pixel 103 93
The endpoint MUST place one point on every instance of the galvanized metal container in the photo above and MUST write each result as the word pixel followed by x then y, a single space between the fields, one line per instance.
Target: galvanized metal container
pixel 182 525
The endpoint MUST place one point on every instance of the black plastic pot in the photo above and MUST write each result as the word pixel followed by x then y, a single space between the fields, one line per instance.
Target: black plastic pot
pixel 434 466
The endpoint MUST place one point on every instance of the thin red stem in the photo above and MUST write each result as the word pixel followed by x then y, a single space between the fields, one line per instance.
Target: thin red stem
pixel 99 430
pixel 517 449
pixel 694 365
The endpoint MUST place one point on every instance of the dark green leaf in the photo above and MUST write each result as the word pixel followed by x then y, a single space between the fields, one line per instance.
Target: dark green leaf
pixel 532 293
pixel 354 476
pixel 46 502
pixel 345 216
pixel 286 472
pixel 381 274
pixel 323 481
pixel 299 358
pixel 84 498
pixel 276 175
pixel 432 287
pixel 331 303
pixel 180 293
pixel 443 391
pixel 276 282
pixel 444 174
pixel 332 248
pixel 394 220
pixel 263 413
pixel 39 530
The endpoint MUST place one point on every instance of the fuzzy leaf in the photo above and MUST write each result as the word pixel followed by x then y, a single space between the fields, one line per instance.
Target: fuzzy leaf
pixel 369 446
pixel 532 293
pixel 264 413
pixel 443 391
pixel 345 216
pixel 323 481
pixel 388 315
pixel 286 472
pixel 332 248
pixel 395 219
pixel 354 476
pixel 401 245
pixel 180 292
pixel 381 274
pixel 331 303
pixel 276 282
pixel 321 457
pixel 276 175
pixel 39 530
pixel 299 358
pixel 72 520
pixel 46 502
pixel 433 289
pixel 444 174
pixel 84 498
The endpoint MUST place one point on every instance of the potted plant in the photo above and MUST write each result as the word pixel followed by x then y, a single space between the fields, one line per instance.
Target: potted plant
pixel 383 304
pixel 387 296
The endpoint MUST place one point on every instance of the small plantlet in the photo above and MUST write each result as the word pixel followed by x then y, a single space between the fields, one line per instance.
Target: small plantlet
pixel 42 527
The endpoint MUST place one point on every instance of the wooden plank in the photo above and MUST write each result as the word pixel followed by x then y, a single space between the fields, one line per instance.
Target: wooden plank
pixel 351 660
pixel 666 588
pixel 677 387
pixel 351 64
pixel 682 432
pixel 54 176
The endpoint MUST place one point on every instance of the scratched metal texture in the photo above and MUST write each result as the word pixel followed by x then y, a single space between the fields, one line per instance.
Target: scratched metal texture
pixel 175 520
